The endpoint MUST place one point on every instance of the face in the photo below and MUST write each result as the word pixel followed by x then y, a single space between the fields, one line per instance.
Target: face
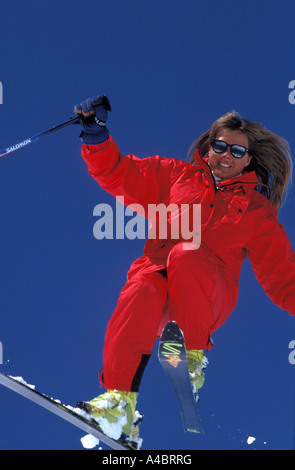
pixel 224 165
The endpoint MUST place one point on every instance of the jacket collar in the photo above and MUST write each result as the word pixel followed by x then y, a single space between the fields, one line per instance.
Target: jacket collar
pixel 247 180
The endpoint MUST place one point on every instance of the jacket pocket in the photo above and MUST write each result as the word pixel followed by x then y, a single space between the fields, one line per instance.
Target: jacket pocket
pixel 236 208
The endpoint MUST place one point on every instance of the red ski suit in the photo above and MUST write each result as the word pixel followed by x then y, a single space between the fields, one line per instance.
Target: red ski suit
pixel 198 287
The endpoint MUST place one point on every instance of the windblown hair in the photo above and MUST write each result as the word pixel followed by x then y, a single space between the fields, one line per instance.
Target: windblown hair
pixel 271 159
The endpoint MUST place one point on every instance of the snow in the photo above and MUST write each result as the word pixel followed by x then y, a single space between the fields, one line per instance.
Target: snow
pixel 113 430
pixel 250 440
pixel 22 381
pixel 89 441
pixel 110 429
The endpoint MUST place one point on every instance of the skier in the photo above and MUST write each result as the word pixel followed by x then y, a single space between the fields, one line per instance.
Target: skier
pixel 239 172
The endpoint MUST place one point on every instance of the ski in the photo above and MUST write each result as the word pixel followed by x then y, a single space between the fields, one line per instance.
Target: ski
pixel 74 416
pixel 173 358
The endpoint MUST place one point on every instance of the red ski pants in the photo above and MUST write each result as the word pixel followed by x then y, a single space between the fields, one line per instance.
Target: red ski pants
pixel 198 297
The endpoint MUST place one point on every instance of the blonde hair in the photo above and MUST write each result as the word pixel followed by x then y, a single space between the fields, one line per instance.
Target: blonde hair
pixel 271 158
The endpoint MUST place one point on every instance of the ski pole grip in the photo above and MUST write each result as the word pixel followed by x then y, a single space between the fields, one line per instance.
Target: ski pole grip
pixel 101 101
pixel 105 103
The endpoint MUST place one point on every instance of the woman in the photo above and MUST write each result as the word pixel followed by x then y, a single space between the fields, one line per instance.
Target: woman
pixel 238 171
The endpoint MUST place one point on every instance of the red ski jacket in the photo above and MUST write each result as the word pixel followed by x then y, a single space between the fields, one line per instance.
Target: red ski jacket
pixel 236 220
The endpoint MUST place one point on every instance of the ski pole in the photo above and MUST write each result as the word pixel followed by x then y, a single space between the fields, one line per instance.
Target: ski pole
pixel 36 137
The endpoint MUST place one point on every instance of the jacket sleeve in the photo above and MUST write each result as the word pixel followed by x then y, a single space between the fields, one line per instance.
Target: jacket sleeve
pixel 273 260
pixel 139 180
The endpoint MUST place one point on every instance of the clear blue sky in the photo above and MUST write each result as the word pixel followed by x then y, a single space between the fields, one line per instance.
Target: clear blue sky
pixel 170 68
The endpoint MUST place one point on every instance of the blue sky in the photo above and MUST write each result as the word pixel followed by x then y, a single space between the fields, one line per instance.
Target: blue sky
pixel 169 68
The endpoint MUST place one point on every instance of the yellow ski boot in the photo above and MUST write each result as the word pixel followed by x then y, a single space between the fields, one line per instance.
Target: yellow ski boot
pixel 197 362
pixel 114 411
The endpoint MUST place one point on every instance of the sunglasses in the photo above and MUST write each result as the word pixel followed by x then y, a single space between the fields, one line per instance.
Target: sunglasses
pixel 237 151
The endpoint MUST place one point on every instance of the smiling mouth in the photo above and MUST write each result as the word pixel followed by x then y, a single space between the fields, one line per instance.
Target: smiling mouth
pixel 224 165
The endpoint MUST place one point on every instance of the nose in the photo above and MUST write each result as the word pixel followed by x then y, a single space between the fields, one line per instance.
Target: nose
pixel 227 154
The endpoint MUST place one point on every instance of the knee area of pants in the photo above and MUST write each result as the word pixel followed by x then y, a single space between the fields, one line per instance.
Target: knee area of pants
pixel 150 287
